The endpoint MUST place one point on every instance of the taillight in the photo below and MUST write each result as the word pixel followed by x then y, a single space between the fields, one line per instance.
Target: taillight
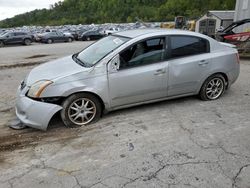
pixel 238 58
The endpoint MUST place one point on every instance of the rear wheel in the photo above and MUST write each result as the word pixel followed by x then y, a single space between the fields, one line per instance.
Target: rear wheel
pixel 27 41
pixel 213 87
pixel 49 41
pixel 70 39
pixel 80 109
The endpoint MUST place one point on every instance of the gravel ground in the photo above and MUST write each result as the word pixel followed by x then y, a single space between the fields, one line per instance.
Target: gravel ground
pixel 179 143
pixel 37 52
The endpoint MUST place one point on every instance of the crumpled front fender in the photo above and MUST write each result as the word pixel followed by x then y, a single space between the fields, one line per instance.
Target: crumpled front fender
pixel 35 114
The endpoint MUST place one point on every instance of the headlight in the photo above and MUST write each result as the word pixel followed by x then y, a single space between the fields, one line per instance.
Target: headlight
pixel 37 88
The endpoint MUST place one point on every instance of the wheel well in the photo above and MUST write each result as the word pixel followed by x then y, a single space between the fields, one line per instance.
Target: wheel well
pixel 223 74
pixel 94 94
pixel 225 77
pixel 26 39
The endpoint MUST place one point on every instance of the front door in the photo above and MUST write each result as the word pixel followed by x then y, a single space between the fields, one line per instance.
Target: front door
pixel 11 38
pixel 142 74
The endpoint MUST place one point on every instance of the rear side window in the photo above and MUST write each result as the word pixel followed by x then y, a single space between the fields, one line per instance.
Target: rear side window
pixel 187 45
pixel 19 34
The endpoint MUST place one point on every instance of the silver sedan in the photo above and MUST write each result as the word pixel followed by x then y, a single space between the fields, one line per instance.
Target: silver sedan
pixel 126 69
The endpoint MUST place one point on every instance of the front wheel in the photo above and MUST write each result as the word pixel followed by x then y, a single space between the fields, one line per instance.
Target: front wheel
pixel 213 87
pixel 49 41
pixel 1 44
pixel 70 39
pixel 80 109
pixel 27 42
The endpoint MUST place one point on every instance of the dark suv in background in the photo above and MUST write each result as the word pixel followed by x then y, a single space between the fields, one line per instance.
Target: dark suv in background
pixel 15 38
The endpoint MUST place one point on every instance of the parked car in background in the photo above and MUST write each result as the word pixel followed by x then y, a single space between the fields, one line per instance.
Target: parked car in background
pixel 73 33
pixel 111 31
pixel 91 35
pixel 38 37
pixel 51 37
pixel 2 31
pixel 126 69
pixel 17 37
pixel 233 36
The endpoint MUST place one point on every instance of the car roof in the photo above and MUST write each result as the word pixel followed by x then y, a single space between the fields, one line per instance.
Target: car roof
pixel 140 32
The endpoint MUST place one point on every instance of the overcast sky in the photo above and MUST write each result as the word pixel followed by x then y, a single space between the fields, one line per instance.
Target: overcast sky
pixel 10 8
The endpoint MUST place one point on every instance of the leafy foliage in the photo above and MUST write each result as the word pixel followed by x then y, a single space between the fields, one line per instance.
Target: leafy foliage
pixel 106 11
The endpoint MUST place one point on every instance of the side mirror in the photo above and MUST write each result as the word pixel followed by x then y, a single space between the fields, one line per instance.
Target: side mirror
pixel 114 64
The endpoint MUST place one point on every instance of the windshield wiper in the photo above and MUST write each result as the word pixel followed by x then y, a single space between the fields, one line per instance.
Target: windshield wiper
pixel 78 61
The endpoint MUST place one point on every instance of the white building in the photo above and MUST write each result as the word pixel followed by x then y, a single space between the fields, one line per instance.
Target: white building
pixel 242 11
pixel 213 20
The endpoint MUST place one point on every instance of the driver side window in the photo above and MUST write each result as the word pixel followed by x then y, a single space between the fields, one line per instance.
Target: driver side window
pixel 142 53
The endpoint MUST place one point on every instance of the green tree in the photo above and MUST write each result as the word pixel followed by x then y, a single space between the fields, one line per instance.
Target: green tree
pixel 104 11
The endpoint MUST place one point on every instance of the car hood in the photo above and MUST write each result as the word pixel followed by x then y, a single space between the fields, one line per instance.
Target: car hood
pixel 56 69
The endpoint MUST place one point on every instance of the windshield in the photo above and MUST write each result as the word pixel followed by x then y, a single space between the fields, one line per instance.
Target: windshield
pixel 100 49
pixel 4 34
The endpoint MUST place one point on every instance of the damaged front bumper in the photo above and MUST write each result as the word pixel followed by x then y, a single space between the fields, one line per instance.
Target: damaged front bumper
pixel 34 113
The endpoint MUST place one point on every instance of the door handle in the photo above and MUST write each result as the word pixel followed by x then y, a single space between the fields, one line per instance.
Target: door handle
pixel 203 62
pixel 160 71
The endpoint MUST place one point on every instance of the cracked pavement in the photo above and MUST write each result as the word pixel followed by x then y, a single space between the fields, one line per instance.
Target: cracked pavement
pixel 173 144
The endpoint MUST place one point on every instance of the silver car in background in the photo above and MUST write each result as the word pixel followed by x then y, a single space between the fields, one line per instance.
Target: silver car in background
pixel 126 69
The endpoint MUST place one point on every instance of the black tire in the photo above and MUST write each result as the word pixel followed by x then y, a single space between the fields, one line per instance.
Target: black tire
pixel 70 39
pixel 1 44
pixel 68 104
pixel 49 41
pixel 210 92
pixel 27 42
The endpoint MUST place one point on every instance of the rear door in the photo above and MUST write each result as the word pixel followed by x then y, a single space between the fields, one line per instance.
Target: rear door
pixel 19 37
pixel 60 37
pixel 142 75
pixel 189 62
pixel 96 35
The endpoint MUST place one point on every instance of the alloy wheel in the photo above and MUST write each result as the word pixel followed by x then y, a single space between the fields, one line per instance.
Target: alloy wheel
pixel 214 89
pixel 49 41
pixel 82 111
pixel 27 42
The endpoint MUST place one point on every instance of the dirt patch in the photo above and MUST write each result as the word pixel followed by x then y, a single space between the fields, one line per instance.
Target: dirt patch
pixel 37 56
pixel 1 160
pixel 33 137
pixel 10 66
pixel 6 109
